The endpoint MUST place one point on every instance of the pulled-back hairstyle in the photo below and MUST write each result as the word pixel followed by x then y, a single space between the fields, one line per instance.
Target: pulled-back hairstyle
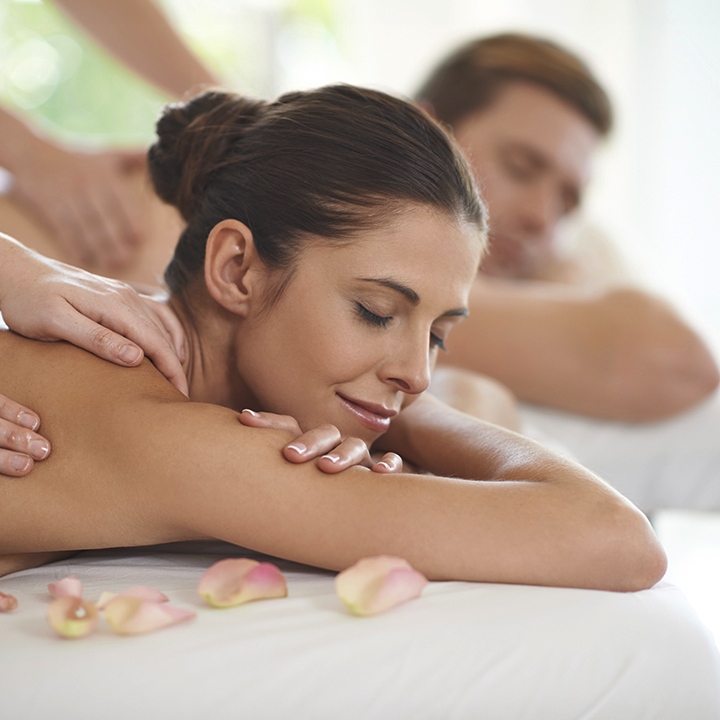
pixel 471 78
pixel 327 162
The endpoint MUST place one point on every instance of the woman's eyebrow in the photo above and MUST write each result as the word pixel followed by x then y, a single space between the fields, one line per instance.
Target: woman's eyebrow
pixel 411 295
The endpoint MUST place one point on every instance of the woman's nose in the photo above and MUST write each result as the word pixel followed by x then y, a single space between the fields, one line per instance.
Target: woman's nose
pixel 408 368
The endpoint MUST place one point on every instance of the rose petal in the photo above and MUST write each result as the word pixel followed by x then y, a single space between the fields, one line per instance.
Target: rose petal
pixel 374 585
pixel 72 617
pixel 133 616
pixel 7 602
pixel 67 587
pixel 235 581
pixel 105 598
pixel 141 592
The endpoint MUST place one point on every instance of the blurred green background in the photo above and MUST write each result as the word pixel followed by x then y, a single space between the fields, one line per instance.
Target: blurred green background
pixel 55 75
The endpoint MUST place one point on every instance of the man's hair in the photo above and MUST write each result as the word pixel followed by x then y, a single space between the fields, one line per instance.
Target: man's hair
pixel 471 78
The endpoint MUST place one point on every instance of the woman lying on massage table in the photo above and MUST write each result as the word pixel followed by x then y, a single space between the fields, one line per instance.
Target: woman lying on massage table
pixel 332 239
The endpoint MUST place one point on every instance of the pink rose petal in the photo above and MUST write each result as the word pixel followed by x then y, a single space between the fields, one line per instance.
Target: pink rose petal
pixel 67 587
pixel 7 602
pixel 374 585
pixel 134 616
pixel 105 598
pixel 141 592
pixel 235 581
pixel 72 617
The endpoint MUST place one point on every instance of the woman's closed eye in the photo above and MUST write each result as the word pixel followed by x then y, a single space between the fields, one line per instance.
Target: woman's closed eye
pixel 371 318
pixel 382 321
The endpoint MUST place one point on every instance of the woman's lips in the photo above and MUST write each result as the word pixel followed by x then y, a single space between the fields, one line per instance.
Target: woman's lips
pixel 372 416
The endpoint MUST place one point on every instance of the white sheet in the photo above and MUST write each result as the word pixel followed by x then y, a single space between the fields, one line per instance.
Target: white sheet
pixel 669 464
pixel 462 650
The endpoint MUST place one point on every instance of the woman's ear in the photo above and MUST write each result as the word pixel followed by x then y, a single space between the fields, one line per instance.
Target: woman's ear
pixel 232 266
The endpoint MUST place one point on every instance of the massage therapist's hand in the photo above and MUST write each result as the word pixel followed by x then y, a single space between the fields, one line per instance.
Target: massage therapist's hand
pixel 324 442
pixel 85 201
pixel 49 300
pixel 19 445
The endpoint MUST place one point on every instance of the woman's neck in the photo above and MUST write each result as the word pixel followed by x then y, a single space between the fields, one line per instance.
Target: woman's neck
pixel 209 365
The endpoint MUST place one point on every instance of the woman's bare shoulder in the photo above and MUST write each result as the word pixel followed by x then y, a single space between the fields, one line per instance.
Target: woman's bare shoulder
pixel 46 375
pixel 124 440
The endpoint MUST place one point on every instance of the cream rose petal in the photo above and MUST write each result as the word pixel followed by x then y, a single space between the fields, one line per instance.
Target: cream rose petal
pixel 235 581
pixel 374 585
pixel 141 592
pixel 72 617
pixel 67 587
pixel 135 616
pixel 7 602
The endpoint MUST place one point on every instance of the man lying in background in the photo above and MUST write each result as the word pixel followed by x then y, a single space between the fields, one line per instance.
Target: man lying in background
pixel 559 326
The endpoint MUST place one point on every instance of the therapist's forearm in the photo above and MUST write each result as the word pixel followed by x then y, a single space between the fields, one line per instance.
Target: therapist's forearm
pixel 139 34
pixel 18 141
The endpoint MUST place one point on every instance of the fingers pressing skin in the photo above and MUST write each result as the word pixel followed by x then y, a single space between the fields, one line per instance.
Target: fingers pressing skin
pixel 19 445
pixel 167 321
pixel 18 414
pixel 105 317
pixel 110 345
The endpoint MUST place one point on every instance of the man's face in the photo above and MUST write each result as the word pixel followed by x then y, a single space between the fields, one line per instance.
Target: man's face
pixel 531 154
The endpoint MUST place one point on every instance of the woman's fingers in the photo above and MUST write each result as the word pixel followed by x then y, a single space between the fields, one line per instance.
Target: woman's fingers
pixel 325 443
pixel 270 420
pixel 349 452
pixel 388 463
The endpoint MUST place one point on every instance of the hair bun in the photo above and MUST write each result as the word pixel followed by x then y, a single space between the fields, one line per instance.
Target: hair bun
pixel 194 139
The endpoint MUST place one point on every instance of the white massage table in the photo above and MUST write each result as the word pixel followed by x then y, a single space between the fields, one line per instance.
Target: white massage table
pixel 670 464
pixel 462 650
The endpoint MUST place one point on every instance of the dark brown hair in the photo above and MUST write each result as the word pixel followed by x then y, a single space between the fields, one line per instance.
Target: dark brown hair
pixel 327 162
pixel 472 77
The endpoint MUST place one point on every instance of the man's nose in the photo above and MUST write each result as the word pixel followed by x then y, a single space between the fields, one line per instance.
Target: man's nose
pixel 541 210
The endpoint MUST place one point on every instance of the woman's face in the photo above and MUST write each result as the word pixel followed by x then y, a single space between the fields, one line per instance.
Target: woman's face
pixel 356 333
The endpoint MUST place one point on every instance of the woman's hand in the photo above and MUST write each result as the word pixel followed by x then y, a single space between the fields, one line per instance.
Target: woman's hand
pixel 324 442
pixel 19 445
pixel 48 300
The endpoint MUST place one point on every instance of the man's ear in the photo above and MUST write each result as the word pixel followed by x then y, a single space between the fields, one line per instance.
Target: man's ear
pixel 232 266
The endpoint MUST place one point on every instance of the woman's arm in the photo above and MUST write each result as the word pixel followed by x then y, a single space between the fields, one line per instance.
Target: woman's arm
pixel 133 463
